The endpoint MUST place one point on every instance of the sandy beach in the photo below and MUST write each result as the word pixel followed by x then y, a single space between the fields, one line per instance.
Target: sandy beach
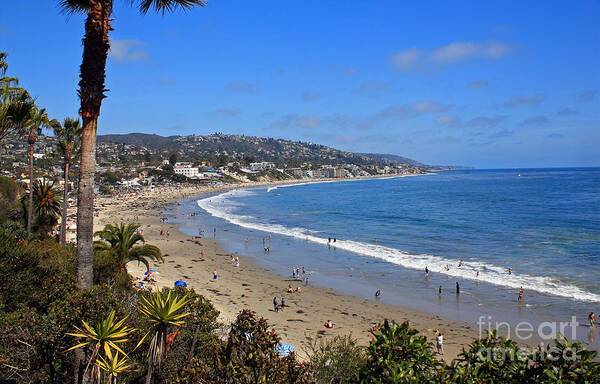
pixel 252 287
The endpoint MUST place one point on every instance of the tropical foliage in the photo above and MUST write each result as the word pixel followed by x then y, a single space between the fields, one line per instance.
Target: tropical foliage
pixel 46 204
pixel 123 244
pixel 68 134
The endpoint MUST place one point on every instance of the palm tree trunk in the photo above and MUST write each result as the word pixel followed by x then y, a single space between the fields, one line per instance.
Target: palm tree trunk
pixel 91 92
pixel 30 213
pixel 63 220
pixel 85 205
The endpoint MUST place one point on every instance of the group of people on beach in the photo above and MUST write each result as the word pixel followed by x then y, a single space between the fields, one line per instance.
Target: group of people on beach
pixel 296 275
pixel 278 305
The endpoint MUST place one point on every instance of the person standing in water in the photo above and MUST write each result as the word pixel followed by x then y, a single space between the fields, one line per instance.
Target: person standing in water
pixel 457 288
pixel 592 318
pixel 521 294
pixel 378 293
pixel 440 290
pixel 426 271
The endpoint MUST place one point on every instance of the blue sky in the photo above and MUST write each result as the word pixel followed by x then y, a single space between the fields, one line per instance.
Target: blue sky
pixel 487 84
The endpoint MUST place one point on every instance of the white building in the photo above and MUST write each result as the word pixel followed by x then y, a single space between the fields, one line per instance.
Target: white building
pixel 186 169
pixel 264 166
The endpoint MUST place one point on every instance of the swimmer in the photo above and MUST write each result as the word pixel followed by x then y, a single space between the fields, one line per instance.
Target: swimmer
pixel 509 271
pixel 460 263
pixel 426 271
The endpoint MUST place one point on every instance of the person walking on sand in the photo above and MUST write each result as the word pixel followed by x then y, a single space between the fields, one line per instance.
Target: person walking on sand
pixel 440 343
pixel 282 303
pixel 592 318
pixel 215 276
pixel 275 305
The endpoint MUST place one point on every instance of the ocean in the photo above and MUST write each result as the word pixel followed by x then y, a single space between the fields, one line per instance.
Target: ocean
pixel 467 227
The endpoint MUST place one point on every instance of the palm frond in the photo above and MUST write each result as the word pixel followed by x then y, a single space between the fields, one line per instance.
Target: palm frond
pixel 168 6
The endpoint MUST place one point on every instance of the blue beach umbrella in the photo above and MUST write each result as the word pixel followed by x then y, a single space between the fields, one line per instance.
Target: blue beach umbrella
pixel 180 283
pixel 284 349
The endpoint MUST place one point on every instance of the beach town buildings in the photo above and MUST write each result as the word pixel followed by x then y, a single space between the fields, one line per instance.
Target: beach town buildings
pixel 262 166
pixel 186 169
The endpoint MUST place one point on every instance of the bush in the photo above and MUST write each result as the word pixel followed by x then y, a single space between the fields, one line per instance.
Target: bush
pixel 398 354
pixel 336 360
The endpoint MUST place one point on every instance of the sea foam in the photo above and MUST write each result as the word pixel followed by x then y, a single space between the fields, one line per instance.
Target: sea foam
pixel 224 205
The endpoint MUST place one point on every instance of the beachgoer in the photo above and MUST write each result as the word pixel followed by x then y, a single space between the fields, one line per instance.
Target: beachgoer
pixel 293 273
pixel 460 263
pixel 521 294
pixel 477 274
pixel 592 318
pixel 282 303
pixel 275 305
pixel 426 271
pixel 215 276
pixel 328 240
pixel 237 261
pixel 328 324
pixel 290 289
pixel 440 290
pixel 457 288
pixel 447 267
pixel 440 343
pixel 509 271
pixel 334 239
pixel 378 293
pixel 299 289
pixel 306 282
pixel 375 241
pixel 202 253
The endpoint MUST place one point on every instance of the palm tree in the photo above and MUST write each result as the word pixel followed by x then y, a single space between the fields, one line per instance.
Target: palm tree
pixel 162 313
pixel 45 200
pixel 96 44
pixel 67 134
pixel 120 242
pixel 37 119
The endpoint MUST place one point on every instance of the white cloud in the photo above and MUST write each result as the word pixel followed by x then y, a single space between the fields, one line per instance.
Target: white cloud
pixel 588 96
pixel 372 86
pixel 485 121
pixel 228 112
pixel 293 120
pixel 535 120
pixel 414 109
pixel 310 96
pixel 241 86
pixel 450 120
pixel 517 101
pixel 479 84
pixel 452 53
pixel 406 59
pixel 128 50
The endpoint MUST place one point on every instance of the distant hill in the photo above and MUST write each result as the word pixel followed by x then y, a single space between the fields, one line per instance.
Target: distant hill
pixel 254 148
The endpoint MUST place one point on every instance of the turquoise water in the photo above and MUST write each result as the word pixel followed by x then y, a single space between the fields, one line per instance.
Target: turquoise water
pixel 543 224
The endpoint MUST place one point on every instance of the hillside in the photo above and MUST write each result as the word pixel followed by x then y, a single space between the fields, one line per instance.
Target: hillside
pixel 254 148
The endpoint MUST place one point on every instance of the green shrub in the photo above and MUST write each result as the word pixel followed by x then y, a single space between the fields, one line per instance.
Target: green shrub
pixel 336 360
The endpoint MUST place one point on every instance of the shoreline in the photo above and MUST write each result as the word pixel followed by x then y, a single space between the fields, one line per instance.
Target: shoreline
pixel 253 287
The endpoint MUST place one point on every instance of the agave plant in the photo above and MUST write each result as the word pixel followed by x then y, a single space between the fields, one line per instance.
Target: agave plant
pixel 113 365
pixel 105 336
pixel 162 313
pixel 120 242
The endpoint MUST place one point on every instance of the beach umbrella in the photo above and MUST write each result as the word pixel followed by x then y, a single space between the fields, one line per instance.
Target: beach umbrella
pixel 180 283
pixel 284 349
